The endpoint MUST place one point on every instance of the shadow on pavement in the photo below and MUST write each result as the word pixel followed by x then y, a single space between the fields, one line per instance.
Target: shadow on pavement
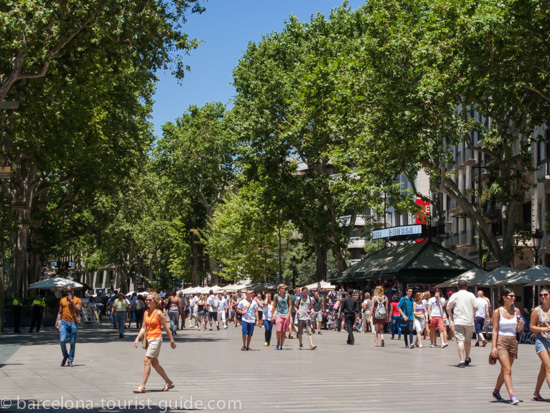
pixel 100 334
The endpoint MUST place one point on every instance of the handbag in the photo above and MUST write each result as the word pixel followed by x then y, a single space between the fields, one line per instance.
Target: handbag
pixel 144 342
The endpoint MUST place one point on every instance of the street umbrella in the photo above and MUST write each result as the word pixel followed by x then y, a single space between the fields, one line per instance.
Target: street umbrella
pixel 500 275
pixel 536 275
pixel 471 276
pixel 55 283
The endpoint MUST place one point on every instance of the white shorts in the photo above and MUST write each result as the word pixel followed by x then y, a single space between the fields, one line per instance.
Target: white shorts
pixel 221 316
pixel 419 324
pixel 153 347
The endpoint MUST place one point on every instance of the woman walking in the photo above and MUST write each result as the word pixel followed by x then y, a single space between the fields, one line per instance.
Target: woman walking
pixel 266 316
pixel 201 312
pixel 419 312
pixel 174 310
pixel 154 320
pixel 395 316
pixel 380 312
pixel 540 324
pixel 367 307
pixel 506 323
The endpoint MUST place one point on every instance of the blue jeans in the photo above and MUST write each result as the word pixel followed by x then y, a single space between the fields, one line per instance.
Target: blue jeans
pixel 66 328
pixel 120 317
pixel 174 315
pixel 410 325
pixel 268 330
pixel 395 326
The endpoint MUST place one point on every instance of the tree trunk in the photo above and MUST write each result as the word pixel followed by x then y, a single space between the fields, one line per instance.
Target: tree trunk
pixel 320 262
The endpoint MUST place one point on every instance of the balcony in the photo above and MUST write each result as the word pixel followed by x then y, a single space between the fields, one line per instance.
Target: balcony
pixel 469 157
pixel 459 161
pixel 356 243
pixel 543 170
pixel 344 220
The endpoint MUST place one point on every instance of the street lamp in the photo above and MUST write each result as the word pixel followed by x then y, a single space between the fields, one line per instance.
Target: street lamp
pixel 537 239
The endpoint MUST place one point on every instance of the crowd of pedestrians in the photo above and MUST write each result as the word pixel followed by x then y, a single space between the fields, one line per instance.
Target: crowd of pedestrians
pixel 461 317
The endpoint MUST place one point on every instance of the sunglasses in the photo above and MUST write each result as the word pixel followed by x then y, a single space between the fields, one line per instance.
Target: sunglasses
pixel 544 295
pixel 511 296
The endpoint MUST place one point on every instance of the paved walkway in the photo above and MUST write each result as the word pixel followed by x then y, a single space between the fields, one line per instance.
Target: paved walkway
pixel 208 366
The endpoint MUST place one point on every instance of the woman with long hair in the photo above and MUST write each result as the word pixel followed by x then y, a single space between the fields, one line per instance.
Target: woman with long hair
pixel 154 321
pixel 395 316
pixel 367 307
pixel 419 312
pixel 540 324
pixel 267 311
pixel 379 317
pixel 506 323
pixel 201 312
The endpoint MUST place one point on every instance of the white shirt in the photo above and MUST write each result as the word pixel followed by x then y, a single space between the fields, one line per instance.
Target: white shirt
pixel 213 303
pixel 267 312
pixel 481 304
pixel 249 307
pixel 223 303
pixel 462 303
pixel 437 311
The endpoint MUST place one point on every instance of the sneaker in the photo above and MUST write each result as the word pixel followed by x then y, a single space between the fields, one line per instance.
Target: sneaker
pixel 301 347
pixel 265 344
pixel 282 348
pixel 432 346
pixel 444 345
pixel 277 347
pixel 210 329
pixel 319 332
pixel 312 347
pixel 461 365
pixel 468 361
pixel 224 327
pixel 497 396
pixel 243 348
pixel 514 400
pixel 411 346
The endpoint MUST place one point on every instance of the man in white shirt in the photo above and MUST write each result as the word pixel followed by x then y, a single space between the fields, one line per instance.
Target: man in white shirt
pixel 436 312
pixel 222 307
pixel 461 309
pixel 482 317
pixel 248 309
pixel 213 303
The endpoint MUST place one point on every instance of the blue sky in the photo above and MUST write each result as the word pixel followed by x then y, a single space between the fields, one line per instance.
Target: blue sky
pixel 226 27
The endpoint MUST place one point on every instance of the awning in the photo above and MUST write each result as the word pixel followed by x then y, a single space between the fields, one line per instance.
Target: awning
pixel 419 262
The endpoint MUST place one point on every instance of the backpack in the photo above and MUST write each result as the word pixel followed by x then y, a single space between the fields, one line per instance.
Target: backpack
pixel 380 312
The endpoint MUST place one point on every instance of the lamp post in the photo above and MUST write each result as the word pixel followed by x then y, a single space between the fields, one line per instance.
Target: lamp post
pixel 537 239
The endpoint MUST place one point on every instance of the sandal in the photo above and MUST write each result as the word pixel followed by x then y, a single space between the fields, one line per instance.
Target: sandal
pixel 168 387
pixel 539 398
pixel 139 390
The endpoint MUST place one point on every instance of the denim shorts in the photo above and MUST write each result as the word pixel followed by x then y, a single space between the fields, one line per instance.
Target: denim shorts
pixel 541 344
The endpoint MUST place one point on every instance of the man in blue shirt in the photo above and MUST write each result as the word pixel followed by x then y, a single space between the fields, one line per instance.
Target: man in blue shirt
pixel 405 308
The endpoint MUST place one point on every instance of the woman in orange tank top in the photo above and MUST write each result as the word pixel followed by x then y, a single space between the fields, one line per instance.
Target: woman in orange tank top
pixel 153 320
